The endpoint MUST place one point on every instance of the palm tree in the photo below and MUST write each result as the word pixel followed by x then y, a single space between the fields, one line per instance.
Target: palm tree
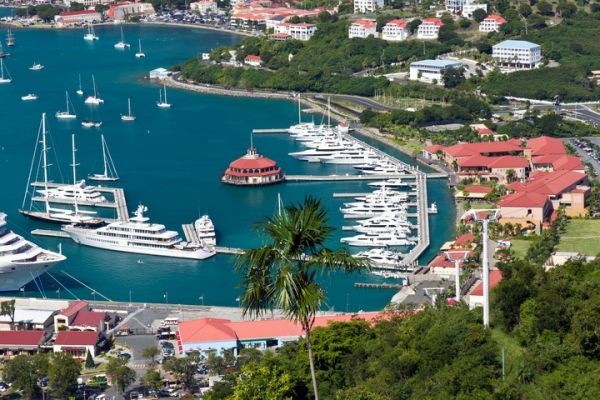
pixel 282 273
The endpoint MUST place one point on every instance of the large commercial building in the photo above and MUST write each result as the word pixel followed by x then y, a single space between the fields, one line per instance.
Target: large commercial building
pixel 431 71
pixel 77 17
pixel 364 6
pixel 301 31
pixel 122 11
pixel 517 54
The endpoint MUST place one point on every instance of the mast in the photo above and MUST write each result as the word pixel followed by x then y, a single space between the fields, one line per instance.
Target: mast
pixel 299 110
pixel 1 67
pixel 122 36
pixel 74 164
pixel 165 87
pixel 140 45
pixel 160 96
pixel 80 88
pixel 328 111
pixel 67 100
pixel 94 84
pixel 45 163
pixel 129 105
pixel 104 155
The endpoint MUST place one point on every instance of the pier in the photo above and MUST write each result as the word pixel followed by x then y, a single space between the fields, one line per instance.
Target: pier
pixel 229 250
pixel 422 221
pixel 340 178
pixel 394 286
pixel 268 131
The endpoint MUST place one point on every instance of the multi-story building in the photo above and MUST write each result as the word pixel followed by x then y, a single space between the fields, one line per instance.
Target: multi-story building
pixel 517 54
pixel 122 11
pixel 301 31
pixel 455 6
pixel 463 7
pixel 363 28
pixel 77 17
pixel 395 31
pixel 469 8
pixel 491 23
pixel 431 71
pixel 364 6
pixel 429 28
pixel 203 7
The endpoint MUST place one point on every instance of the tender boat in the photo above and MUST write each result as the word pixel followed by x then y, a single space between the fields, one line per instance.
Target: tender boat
pixel 36 67
pixel 29 97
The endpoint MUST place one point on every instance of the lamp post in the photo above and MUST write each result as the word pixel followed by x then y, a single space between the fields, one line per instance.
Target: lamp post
pixel 58 292
pixel 94 294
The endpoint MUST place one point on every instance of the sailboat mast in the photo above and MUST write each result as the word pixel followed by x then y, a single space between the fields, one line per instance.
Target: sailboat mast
pixel 94 84
pixel 74 164
pixel 165 88
pixel 129 106
pixel 67 100
pixel 328 111
pixel 104 156
pixel 45 162
pixel 299 110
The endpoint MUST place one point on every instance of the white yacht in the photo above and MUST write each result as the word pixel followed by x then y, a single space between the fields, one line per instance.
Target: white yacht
pixel 91 124
pixel 315 154
pixel 349 157
pixel 205 230
pixel 94 99
pixel 36 67
pixel 90 35
pixel 122 44
pixel 391 183
pixel 110 172
pixel 140 53
pixel 369 210
pixel 138 236
pixel 382 257
pixel 21 261
pixel 78 191
pixel 129 116
pixel 385 170
pixel 69 113
pixel 29 97
pixel 394 238
pixel 4 78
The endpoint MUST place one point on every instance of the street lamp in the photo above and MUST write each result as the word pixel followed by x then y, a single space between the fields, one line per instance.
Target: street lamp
pixel 58 292
pixel 94 294
pixel 129 297
pixel 22 290
pixel 239 301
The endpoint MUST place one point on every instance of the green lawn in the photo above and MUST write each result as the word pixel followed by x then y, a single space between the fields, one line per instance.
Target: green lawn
pixel 481 206
pixel 520 246
pixel 582 236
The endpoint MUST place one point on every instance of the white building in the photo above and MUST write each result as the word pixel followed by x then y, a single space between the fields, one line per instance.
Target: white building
pixel 431 71
pixel 204 6
pixel 301 31
pixel 77 17
pixel 491 23
pixel 429 28
pixel 463 7
pixel 159 73
pixel 253 60
pixel 469 8
pixel 517 54
pixel 363 28
pixel 395 31
pixel 455 6
pixel 364 6
pixel 122 11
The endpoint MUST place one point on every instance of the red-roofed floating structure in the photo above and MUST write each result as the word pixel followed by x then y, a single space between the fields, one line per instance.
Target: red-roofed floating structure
pixel 253 169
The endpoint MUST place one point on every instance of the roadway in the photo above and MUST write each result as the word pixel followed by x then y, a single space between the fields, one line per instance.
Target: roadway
pixel 363 102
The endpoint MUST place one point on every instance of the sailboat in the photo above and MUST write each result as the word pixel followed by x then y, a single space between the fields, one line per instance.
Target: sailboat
pixel 90 35
pixel 95 100
pixel 4 78
pixel 36 67
pixel 129 116
pixel 163 103
pixel 58 215
pixel 80 90
pixel 91 122
pixel 10 39
pixel 140 53
pixel 110 172
pixel 68 113
pixel 122 45
pixel 2 53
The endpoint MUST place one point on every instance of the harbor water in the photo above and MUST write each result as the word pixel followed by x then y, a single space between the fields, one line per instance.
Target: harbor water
pixel 169 160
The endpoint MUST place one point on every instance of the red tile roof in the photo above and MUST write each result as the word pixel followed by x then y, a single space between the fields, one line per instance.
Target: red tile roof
pixel 252 57
pixel 74 308
pixel 464 239
pixel 559 161
pixel 206 330
pixel 435 21
pixel 484 131
pixel 89 318
pixel 471 149
pixel 398 22
pixel 494 162
pixel 434 148
pixel 21 338
pixel 365 23
pixel 71 13
pixel 76 338
pixel 545 145
pixel 553 183
pixel 523 199
pixel 495 278
pixel 499 20
pixel 478 189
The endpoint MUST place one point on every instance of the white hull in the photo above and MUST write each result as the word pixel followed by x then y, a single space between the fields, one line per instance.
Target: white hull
pixel 90 37
pixel 89 238
pixel 127 118
pixel 29 97
pixel 79 92
pixel 140 55
pixel 122 45
pixel 93 100
pixel 163 105
pixel 62 115
pixel 13 280
pixel 5 80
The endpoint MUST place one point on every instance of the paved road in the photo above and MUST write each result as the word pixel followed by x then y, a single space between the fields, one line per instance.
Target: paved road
pixel 358 100
pixel 580 111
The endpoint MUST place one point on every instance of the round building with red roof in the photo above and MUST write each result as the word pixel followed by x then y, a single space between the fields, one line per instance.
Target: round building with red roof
pixel 253 169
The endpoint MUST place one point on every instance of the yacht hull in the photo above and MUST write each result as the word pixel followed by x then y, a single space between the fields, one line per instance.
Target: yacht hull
pixel 14 275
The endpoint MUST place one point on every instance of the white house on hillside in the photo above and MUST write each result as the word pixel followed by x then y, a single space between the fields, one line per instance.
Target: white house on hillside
pixel 491 23
pixel 364 6
pixel 429 28
pixel 395 31
pixel 301 31
pixel 431 71
pixel 517 54
pixel 363 28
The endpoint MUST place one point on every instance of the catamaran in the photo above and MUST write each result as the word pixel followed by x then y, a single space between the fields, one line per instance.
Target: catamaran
pixel 10 39
pixel 140 53
pixel 128 116
pixel 163 103
pixel 36 67
pixel 110 172
pixel 94 99
pixel 69 113
pixel 122 45
pixel 4 78
pixel 90 35
pixel 80 90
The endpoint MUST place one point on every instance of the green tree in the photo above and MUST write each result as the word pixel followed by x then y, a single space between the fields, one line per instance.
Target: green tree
pixel 464 23
pixel 184 368
pixel 452 77
pixel 75 6
pixel 8 308
pixel 63 372
pixel 152 379
pixel 479 15
pixel 151 353
pixel 544 7
pixel 414 25
pixel 257 382
pixel 566 10
pixel 101 8
pixel 525 10
pixel 282 274
pixel 120 374
pixel 24 371
pixel 89 361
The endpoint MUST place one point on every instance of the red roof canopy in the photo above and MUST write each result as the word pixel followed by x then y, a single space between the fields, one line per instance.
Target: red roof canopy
pixel 545 145
pixel 435 21
pixel 401 23
pixel 21 338
pixel 71 13
pixel 76 338
pixel 478 189
pixel 74 308
pixel 495 278
pixel 89 318
pixel 523 199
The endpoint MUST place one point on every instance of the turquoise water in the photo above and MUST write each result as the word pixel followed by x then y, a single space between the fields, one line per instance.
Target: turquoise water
pixel 169 160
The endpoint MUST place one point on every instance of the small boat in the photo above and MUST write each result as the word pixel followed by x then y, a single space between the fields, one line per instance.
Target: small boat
pixel 163 103
pixel 29 97
pixel 36 67
pixel 140 53
pixel 10 39
pixel 110 172
pixel 91 124
pixel 90 35
pixel 128 116
pixel 122 45
pixel 3 54
pixel 68 114
pixel 4 78
pixel 94 99
pixel 80 90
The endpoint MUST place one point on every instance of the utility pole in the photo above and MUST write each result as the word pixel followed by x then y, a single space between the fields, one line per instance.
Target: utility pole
pixel 486 277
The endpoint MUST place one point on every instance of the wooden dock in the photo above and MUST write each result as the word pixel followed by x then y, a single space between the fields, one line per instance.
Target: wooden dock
pixel 50 233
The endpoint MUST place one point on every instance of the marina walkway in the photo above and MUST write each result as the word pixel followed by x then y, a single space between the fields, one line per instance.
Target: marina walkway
pixel 335 178
pixel 422 221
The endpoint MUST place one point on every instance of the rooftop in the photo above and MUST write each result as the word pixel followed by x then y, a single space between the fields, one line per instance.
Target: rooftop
pixel 74 308
pixel 28 315
pixel 366 23
pixel 545 145
pixel 495 278
pixel 252 160
pixel 89 318
pixel 437 64
pixel 516 44
pixel 398 22
pixel 470 149
pixel 72 13
pixel 435 21
pixel 499 20
pixel 21 338
pixel 552 183
pixel 523 199
pixel 76 338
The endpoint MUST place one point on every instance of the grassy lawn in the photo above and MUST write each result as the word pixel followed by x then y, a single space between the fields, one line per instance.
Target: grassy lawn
pixel 481 205
pixel 520 246
pixel 582 236
pixel 514 353
pixel 414 146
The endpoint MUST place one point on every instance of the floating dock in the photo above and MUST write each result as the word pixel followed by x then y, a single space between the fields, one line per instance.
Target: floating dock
pixel 268 131
pixel 229 250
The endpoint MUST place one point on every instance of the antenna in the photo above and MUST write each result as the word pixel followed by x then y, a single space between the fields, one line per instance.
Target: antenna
pixel 251 140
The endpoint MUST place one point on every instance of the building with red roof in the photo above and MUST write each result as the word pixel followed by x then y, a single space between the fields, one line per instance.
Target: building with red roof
pixel 253 169
pixel 543 146
pixel 362 28
pixel 557 162
pixel 76 343
pixel 476 294
pixel 501 169
pixel 253 60
pixel 89 321
pixel 395 31
pixel 212 334
pixel 530 210
pixel 465 240
pixel 433 152
pixel 429 28
pixel 476 192
pixel 444 264
pixel 65 317
pixel 491 23
pixel 302 31
pixel 14 343
pixel 77 17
